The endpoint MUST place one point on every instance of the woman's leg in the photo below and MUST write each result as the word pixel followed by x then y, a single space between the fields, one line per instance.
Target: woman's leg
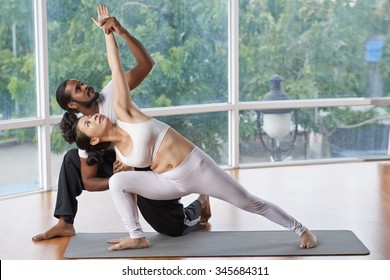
pixel 137 238
pixel 223 186
pixel 129 202
pixel 147 184
pixel 203 176
pixel 198 174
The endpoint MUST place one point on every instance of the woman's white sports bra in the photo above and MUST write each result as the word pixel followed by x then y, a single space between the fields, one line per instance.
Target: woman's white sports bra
pixel 147 137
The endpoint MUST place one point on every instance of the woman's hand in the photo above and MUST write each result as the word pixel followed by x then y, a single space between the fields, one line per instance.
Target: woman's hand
pixel 103 16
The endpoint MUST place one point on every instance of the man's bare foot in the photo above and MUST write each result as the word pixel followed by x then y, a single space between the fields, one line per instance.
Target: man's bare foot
pixel 61 229
pixel 308 240
pixel 205 214
pixel 128 243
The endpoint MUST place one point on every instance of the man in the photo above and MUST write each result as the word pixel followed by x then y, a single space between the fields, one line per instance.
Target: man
pixel 81 171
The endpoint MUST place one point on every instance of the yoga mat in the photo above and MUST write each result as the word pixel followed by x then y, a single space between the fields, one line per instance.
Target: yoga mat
pixel 218 244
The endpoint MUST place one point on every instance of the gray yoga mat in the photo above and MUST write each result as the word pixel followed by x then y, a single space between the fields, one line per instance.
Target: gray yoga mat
pixel 219 244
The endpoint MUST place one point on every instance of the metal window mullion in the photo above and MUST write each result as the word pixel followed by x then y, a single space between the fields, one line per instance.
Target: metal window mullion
pixel 20 123
pixel 313 103
pixel 43 98
pixel 233 89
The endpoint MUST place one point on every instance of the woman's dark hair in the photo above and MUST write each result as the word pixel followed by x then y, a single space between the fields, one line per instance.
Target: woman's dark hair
pixel 71 134
pixel 63 98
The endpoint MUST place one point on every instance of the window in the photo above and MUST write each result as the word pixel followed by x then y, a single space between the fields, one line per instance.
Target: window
pixel 19 161
pixel 332 52
pixel 191 56
pixel 217 64
pixel 322 49
pixel 18 99
pixel 330 133
pixel 209 131
pixel 17 71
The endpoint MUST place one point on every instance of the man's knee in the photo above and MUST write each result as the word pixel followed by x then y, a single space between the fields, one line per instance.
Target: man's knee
pixel 171 228
pixel 165 216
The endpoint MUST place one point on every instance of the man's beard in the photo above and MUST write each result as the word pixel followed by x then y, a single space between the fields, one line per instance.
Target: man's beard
pixel 88 104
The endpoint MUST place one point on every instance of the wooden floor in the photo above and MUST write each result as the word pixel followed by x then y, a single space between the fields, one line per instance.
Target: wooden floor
pixel 353 196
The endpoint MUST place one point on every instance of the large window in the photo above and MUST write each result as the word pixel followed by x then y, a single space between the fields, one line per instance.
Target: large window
pixel 335 53
pixel 323 49
pixel 19 162
pixel 341 132
pixel 19 157
pixel 17 51
pixel 252 82
pixel 188 41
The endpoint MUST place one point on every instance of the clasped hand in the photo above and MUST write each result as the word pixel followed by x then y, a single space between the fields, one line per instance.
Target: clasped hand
pixel 107 23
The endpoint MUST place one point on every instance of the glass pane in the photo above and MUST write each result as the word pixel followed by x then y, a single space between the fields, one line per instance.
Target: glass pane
pixel 191 56
pixel 322 49
pixel 208 131
pixel 19 158
pixel 315 134
pixel 17 60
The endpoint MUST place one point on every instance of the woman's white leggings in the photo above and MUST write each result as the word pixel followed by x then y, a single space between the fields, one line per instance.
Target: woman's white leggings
pixel 197 174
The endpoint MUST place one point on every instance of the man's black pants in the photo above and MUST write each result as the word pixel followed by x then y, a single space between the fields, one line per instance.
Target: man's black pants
pixel 165 216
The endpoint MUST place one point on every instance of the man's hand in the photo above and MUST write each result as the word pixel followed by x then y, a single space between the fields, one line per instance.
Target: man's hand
pixel 112 25
pixel 118 166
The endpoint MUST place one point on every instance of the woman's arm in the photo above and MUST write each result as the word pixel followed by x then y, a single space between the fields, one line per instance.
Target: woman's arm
pixel 123 106
pixel 122 98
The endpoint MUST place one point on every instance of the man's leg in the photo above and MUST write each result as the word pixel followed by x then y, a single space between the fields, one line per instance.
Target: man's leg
pixel 70 186
pixel 170 217
pixel 206 209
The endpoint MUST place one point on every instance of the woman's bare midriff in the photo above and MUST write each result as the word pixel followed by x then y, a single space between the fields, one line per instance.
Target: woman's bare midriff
pixel 173 150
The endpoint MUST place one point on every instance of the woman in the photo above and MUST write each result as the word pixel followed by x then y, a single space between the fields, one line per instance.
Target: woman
pixel 178 166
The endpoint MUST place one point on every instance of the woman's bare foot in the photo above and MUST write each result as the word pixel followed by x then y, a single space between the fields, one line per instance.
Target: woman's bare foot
pixel 61 229
pixel 308 240
pixel 205 214
pixel 128 243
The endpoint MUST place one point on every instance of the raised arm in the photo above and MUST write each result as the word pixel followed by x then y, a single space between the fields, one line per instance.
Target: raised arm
pixel 123 105
pixel 145 62
pixel 122 98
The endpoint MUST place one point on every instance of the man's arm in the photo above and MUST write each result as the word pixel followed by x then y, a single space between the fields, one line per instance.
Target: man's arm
pixel 138 73
pixel 145 62
pixel 91 182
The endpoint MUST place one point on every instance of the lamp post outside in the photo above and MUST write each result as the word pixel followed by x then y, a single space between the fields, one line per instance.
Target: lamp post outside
pixel 276 123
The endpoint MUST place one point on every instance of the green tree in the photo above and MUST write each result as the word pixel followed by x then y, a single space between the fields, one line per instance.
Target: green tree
pixel 316 45
pixel 191 57
pixel 17 65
